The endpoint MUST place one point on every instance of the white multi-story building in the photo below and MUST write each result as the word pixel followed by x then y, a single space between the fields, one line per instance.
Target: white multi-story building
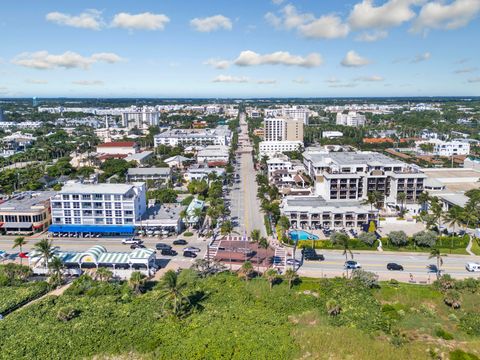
pixel 141 118
pixel 215 153
pixel 271 148
pixel 81 207
pixel 221 135
pixel 347 176
pixel 449 148
pixel 351 119
pixel 331 134
pixel 296 113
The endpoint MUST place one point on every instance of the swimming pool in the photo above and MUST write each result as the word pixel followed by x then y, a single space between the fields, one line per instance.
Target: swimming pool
pixel 296 235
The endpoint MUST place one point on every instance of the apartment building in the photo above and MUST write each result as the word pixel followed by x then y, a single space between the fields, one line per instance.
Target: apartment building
pixel 97 208
pixel 26 212
pixel 351 119
pixel 272 148
pixel 141 118
pixel 221 135
pixel 281 129
pixel 161 175
pixel 450 148
pixel 350 176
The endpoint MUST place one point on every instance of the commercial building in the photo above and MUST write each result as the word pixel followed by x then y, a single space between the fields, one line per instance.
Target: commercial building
pixel 98 208
pixel 162 217
pixel 350 176
pixel 214 153
pixel 159 175
pixel 118 148
pixel 314 212
pixel 201 172
pixel 141 118
pixel 25 213
pixel 221 135
pixel 351 119
pixel 271 148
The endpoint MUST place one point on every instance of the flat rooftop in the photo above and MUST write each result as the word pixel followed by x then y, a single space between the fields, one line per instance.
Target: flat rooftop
pixel 149 171
pixel 354 158
pixel 304 203
pixel 456 179
pixel 27 201
pixel 78 188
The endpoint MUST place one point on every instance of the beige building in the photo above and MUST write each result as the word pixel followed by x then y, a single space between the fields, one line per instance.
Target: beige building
pixel 294 130
pixel 280 129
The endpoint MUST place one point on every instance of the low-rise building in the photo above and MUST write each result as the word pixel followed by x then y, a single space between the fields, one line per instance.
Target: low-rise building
pixel 351 119
pixel 162 217
pixel 200 172
pixel 450 148
pixel 120 147
pixel 177 161
pixel 221 135
pixel 159 175
pixel 331 134
pixel 271 148
pixel 216 153
pixel 25 213
pixel 140 158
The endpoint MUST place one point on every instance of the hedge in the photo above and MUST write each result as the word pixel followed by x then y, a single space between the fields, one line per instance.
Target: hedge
pixel 12 296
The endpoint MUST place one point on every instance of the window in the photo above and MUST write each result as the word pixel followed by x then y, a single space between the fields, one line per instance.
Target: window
pixel 98 212
pixel 108 205
pixel 75 197
pixel 77 220
pixel 66 197
pixel 68 220
pixel 118 221
pixel 57 205
pixel 118 205
pixel 10 218
pixel 117 197
pixel 76 212
pixel 98 220
pixel 128 212
pixel 86 197
pixel 109 221
pixel 25 218
pixel 98 196
pixel 128 221
pixel 118 213
pixel 66 205
pixel 108 212
pixel 76 205
pixel 57 220
pixel 67 213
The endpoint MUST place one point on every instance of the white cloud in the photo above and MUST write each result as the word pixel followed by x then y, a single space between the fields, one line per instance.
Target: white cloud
pixel 421 57
pixel 267 82
pixel 300 80
pixel 332 80
pixel 89 19
pixel 372 78
pixel 342 85
pixel 42 60
pixel 372 36
pixel 251 58
pixel 325 27
pixel 36 81
pixel 143 21
pixel 366 15
pixel 448 16
pixel 466 70
pixel 88 82
pixel 352 59
pixel 217 63
pixel 474 80
pixel 211 23
pixel 230 79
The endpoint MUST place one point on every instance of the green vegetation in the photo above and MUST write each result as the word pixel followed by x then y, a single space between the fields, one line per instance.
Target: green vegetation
pixel 194 316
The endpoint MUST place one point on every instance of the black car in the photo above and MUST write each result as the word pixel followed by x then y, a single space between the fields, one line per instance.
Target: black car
pixel 137 246
pixel 180 242
pixel 311 254
pixel 394 267
pixel 161 246
pixel 169 252
pixel 189 254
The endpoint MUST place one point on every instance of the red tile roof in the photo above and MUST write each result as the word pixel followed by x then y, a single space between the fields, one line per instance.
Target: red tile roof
pixel 119 144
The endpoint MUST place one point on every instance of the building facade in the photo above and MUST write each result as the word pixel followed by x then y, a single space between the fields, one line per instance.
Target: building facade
pixel 271 148
pixel 351 119
pixel 221 135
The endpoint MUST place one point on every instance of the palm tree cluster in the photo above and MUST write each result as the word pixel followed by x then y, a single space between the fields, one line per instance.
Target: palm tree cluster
pixel 269 196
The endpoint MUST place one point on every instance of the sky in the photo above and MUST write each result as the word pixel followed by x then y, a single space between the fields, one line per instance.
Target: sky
pixel 239 48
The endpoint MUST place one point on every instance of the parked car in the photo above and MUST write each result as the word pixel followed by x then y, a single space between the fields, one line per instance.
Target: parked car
pixel 472 267
pixel 169 252
pixel 394 267
pixel 192 249
pixel 352 265
pixel 162 246
pixel 3 255
pixel 311 254
pixel 294 262
pixel 180 242
pixel 189 254
pixel 137 246
pixel 23 255
pixel 129 241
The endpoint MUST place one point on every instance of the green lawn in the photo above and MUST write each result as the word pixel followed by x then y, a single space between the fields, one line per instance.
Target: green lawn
pixel 234 319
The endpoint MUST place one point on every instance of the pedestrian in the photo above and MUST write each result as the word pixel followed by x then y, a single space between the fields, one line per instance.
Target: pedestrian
pixel 411 277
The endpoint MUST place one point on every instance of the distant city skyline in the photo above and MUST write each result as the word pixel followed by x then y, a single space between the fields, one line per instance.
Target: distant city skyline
pixel 249 48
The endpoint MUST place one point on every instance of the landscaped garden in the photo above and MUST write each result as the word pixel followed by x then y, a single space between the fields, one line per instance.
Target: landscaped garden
pixel 195 315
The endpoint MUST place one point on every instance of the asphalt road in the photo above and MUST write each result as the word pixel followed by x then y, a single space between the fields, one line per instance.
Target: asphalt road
pixel 245 205
pixel 413 263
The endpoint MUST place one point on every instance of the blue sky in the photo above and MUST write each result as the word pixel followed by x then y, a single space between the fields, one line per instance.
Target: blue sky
pixel 240 48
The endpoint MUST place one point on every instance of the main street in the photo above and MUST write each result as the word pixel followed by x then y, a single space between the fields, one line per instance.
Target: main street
pixel 245 205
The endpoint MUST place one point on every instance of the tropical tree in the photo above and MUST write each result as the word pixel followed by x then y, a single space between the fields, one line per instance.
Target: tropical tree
pixel 56 267
pixel 246 271
pixel 401 197
pixel 453 217
pixel 271 275
pixel 341 239
pixel 173 291
pixel 136 281
pixel 104 274
pixel 45 250
pixel 291 276
pixel 255 235
pixel 372 199
pixel 226 228
pixel 437 211
pixel 19 242
pixel 423 199
pixel 435 253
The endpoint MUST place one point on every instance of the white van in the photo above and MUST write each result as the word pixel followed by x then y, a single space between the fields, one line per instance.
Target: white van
pixel 472 267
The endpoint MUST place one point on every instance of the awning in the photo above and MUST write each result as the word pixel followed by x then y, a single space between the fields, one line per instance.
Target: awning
pixel 17 225
pixel 97 229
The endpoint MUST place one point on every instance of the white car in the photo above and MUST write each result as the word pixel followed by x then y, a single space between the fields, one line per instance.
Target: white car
pixel 131 241
pixel 192 249
pixel 472 267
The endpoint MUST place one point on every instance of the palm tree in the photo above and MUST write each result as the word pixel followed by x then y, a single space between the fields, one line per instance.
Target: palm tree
pixel 423 199
pixel 227 228
pixel 255 235
pixel 262 244
pixel 271 275
pixel 136 281
pixel 435 253
pixel 246 270
pixel 454 217
pixel 104 274
pixel 372 199
pixel 45 250
pixel 290 276
pixel 173 290
pixel 401 197
pixel 437 211
pixel 19 242
pixel 56 267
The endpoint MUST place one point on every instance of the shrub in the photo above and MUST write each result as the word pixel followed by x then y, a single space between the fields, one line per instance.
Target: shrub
pixel 333 307
pixel 470 323
pixel 462 355
pixel 367 238
pixel 452 299
pixel 453 317
pixel 398 238
pixel 394 282
pixel 187 200
pixel 338 238
pixel 428 311
pixel 425 238
pixel 187 233
pixel 67 313
pixel 366 278
pixel 441 333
